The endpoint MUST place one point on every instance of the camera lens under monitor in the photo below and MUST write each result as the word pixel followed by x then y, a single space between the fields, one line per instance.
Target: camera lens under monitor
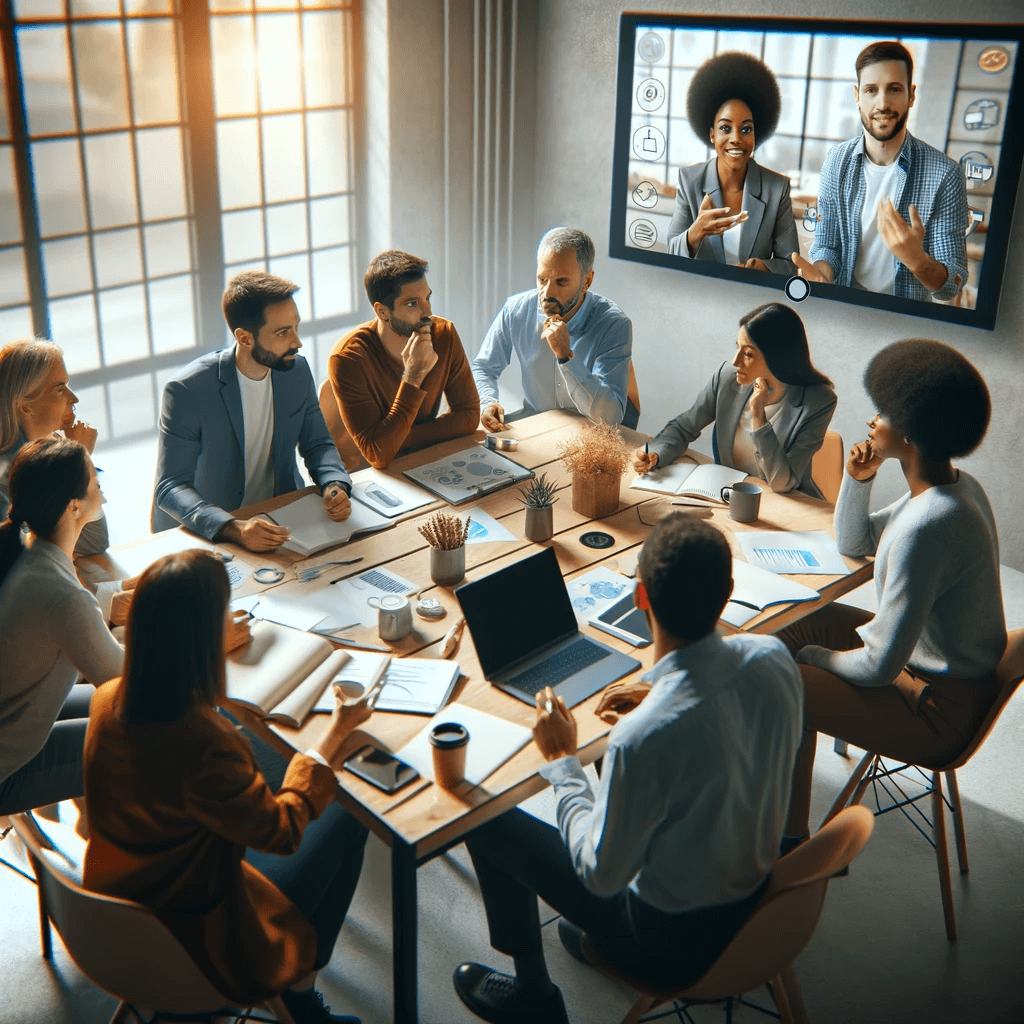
pixel 798 288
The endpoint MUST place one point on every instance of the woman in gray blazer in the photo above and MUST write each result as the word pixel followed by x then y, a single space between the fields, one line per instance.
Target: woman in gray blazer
pixel 769 405
pixel 734 102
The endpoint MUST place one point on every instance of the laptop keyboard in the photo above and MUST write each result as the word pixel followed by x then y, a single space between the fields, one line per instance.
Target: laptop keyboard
pixel 568 661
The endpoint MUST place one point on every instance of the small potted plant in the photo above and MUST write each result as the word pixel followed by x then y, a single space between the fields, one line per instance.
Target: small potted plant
pixel 597 457
pixel 538 497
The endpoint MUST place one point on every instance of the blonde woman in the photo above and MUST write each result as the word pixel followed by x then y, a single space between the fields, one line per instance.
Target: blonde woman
pixel 36 401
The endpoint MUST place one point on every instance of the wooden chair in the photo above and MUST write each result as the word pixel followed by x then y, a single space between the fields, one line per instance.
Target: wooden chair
pixel 827 465
pixel 120 946
pixel 895 781
pixel 351 456
pixel 632 415
pixel 763 950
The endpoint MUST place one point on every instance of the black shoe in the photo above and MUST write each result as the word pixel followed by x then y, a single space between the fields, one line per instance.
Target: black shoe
pixel 307 1007
pixel 571 938
pixel 498 998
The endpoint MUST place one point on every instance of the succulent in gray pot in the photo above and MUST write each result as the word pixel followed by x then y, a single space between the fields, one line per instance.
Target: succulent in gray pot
pixel 538 496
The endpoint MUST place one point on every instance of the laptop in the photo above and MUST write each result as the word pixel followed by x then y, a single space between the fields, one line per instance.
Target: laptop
pixel 526 636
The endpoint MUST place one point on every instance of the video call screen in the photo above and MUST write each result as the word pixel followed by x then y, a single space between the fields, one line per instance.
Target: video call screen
pixel 963 106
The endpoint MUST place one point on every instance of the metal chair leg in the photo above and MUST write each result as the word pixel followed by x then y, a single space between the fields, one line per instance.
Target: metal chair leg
pixel 44 921
pixel 942 855
pixel 958 821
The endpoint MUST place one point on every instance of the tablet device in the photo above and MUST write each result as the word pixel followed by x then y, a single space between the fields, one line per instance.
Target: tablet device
pixel 624 620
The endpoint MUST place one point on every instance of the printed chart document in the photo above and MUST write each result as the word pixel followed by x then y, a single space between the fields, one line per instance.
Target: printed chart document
pixel 468 474
pixel 136 558
pixel 485 529
pixel 686 479
pixel 282 672
pixel 386 495
pixel 754 589
pixel 596 591
pixel 312 530
pixel 802 553
pixel 492 741
pixel 418 686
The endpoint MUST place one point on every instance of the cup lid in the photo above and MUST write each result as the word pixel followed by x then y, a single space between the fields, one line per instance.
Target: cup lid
pixel 449 735
pixel 392 602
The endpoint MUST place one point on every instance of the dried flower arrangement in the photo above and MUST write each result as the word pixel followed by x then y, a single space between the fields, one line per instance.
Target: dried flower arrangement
pixel 444 531
pixel 595 448
pixel 538 493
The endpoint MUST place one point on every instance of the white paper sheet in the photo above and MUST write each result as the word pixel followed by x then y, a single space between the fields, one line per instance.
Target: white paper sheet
pixel 805 552
pixel 386 495
pixel 485 529
pixel 136 558
pixel 595 591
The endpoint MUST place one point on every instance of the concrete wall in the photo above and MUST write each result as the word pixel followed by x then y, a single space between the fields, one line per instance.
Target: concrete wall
pixel 683 325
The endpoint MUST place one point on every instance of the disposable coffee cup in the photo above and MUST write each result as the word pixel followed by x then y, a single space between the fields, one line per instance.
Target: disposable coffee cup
pixel 394 616
pixel 448 742
pixel 744 501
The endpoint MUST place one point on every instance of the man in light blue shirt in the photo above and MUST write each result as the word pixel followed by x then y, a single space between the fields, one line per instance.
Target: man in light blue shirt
pixel 664 863
pixel 573 345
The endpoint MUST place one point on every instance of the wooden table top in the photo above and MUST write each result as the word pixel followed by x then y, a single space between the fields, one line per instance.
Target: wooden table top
pixel 421 814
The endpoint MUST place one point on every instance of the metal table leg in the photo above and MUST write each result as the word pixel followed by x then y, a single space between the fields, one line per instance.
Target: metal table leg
pixel 403 931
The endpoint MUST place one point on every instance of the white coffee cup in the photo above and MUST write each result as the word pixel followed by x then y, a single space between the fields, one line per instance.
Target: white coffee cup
pixel 394 616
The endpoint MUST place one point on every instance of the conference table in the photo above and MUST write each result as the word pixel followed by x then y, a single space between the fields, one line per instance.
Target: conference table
pixel 422 821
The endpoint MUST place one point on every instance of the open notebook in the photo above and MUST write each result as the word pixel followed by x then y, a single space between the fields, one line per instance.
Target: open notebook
pixel 685 479
pixel 313 531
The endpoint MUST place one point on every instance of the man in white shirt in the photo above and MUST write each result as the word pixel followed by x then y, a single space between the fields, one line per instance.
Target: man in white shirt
pixel 664 863
pixel 231 421
pixel 892 210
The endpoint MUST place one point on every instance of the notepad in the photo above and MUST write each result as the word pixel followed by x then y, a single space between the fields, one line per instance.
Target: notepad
pixel 685 479
pixel 417 686
pixel 492 741
pixel 313 530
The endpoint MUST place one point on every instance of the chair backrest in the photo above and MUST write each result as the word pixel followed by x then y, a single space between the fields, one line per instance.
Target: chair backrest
pixel 827 465
pixel 1009 673
pixel 785 920
pixel 120 946
pixel 632 415
pixel 350 454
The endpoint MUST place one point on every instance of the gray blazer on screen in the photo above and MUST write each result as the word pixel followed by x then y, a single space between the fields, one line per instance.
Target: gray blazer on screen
pixel 783 452
pixel 200 465
pixel 768 233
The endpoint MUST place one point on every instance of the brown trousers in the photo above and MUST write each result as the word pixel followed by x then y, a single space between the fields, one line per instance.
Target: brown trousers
pixel 922 719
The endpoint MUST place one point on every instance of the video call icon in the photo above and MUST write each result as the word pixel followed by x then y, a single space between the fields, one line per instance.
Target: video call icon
pixel 651 47
pixel 643 233
pixel 645 194
pixel 650 94
pixel 648 143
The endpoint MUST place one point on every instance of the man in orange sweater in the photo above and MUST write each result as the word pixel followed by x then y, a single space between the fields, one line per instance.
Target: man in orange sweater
pixel 389 374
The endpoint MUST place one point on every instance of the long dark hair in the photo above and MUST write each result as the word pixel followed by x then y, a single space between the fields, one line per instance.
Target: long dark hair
pixel 779 334
pixel 174 642
pixel 46 476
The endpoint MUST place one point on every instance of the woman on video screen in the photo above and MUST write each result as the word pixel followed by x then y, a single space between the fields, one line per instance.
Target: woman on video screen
pixel 730 209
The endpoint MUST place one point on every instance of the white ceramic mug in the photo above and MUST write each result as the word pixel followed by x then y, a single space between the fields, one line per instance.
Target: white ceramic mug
pixel 394 616
pixel 744 501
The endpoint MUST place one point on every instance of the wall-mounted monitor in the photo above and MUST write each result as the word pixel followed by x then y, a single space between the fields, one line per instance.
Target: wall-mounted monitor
pixel 753 149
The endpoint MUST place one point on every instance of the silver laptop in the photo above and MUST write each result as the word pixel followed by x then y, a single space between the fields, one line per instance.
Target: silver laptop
pixel 526 637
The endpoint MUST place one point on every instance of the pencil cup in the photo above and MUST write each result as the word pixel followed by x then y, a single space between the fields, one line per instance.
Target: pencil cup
pixel 394 616
pixel 448 567
pixel 744 501
pixel 448 742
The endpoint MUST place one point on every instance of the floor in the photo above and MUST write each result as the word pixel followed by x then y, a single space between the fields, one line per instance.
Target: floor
pixel 879 954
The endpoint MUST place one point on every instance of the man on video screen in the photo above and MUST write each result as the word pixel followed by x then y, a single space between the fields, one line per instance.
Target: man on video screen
pixel 892 210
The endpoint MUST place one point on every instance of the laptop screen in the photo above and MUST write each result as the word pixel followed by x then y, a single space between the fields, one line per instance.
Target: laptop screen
pixel 517 610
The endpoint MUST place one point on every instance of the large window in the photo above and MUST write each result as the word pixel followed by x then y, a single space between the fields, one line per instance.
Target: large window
pixel 149 150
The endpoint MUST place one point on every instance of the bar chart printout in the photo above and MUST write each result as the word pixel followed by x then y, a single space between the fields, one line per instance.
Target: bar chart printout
pixel 808 552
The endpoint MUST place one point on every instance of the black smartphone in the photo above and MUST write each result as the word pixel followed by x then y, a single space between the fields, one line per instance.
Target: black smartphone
pixel 380 768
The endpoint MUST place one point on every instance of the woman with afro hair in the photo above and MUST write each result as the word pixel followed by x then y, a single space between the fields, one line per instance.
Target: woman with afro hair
pixel 915 680
pixel 733 103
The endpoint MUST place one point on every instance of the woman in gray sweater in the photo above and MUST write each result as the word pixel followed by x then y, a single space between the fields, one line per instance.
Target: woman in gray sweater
pixel 52 631
pixel 915 680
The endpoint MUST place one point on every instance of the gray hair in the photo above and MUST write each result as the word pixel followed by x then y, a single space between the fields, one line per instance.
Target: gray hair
pixel 24 367
pixel 559 239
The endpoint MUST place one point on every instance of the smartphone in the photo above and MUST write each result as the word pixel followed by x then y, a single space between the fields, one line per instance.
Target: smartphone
pixel 380 768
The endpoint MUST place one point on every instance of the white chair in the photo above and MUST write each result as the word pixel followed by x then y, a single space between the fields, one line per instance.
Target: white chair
pixel 120 946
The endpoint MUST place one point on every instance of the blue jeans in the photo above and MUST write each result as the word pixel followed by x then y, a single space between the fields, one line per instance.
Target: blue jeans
pixel 55 773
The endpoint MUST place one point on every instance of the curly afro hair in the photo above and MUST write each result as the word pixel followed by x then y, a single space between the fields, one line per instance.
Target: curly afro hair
pixel 932 395
pixel 733 76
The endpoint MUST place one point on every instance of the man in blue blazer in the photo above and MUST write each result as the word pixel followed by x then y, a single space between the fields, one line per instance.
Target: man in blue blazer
pixel 231 421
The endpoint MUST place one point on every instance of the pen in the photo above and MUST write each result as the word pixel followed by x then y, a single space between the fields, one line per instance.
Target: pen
pixel 450 643
pixel 647 447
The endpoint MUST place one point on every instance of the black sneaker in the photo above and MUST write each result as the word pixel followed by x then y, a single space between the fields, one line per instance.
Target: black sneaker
pixel 498 998
pixel 307 1007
